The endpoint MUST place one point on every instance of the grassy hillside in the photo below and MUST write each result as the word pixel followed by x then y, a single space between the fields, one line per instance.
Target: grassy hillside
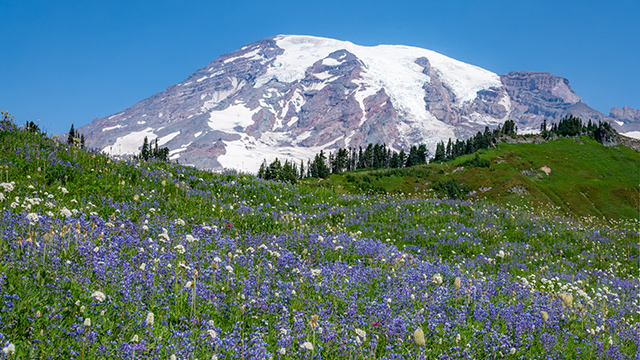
pixel 103 259
pixel 584 180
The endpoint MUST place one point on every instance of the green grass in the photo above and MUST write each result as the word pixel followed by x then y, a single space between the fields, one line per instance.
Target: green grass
pixel 587 180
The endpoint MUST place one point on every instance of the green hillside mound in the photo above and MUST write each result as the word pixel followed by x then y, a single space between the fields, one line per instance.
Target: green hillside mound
pixel 575 177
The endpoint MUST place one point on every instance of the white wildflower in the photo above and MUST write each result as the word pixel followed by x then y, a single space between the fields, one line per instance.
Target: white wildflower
pixel 307 345
pixel 33 218
pixel 437 278
pixel 316 272
pixel 64 190
pixel 87 322
pixel 361 333
pixel 143 266
pixel 98 295
pixel 180 222
pixel 134 338
pixel 179 248
pixel 8 187
pixel 229 268
pixel 65 212
pixel 190 238
pixel 9 349
pixel 212 333
pixel 150 318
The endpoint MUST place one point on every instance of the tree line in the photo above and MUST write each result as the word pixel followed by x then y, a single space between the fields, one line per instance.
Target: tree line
pixel 373 156
pixel 480 141
pixel 379 156
pixel 573 126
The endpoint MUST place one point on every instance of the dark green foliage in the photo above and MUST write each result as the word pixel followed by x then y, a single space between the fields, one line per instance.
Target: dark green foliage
pixel 417 155
pixel 144 153
pixel 568 126
pixel 75 138
pixel 279 172
pixel 451 189
pixel 482 140
pixel 509 128
pixel 573 126
pixel 32 127
pixel 602 132
pixel 148 152
pixel 72 134
pixel 477 162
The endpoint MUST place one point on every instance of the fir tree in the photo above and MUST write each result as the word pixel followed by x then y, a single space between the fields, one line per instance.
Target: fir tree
pixel 72 134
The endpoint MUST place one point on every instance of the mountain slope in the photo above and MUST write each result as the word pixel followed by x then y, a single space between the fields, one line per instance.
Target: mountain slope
pixel 292 96
pixel 572 177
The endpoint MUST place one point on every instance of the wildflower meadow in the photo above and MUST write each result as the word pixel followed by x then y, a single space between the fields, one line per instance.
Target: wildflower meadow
pixel 103 258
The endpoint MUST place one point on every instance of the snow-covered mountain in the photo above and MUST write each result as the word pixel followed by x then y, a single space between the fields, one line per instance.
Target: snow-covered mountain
pixel 291 96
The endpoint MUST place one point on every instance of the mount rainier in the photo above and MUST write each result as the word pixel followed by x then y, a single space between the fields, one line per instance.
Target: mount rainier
pixel 291 96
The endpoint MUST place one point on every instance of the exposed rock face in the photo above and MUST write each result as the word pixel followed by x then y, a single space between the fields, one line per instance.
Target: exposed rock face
pixel 626 117
pixel 292 96
pixel 626 114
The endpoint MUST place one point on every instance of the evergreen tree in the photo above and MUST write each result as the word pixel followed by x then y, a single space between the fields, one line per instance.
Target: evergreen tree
pixel 403 158
pixel 263 169
pixel 440 152
pixel 287 173
pixel 321 166
pixel 145 149
pixel 72 133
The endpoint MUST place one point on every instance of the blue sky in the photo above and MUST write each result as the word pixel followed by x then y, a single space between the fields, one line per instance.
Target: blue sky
pixel 64 62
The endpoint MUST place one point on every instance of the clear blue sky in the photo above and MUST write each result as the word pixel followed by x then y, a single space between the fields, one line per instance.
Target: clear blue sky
pixel 64 62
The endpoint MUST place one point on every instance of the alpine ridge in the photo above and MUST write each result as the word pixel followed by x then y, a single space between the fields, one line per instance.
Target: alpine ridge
pixel 291 96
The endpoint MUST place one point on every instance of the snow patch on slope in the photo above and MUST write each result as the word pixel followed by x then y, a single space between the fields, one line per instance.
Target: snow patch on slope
pixel 111 127
pixel 229 119
pixel 165 139
pixel 633 134
pixel 129 144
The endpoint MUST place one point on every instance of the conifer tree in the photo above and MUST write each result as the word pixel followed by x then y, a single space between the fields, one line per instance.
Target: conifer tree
pixel 145 149
pixel 72 134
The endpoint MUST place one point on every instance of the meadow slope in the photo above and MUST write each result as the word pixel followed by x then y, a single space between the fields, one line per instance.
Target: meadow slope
pixel 149 260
